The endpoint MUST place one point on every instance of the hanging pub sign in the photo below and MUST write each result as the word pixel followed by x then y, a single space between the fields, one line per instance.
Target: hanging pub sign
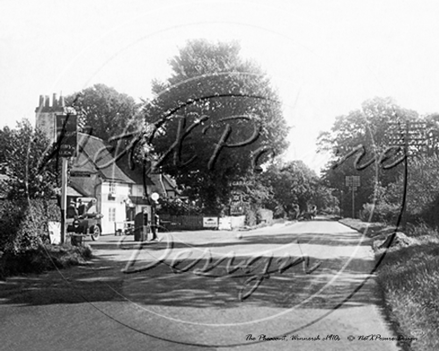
pixel 66 134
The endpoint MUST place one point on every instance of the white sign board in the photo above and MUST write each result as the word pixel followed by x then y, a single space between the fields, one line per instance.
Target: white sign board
pixel 54 232
pixel 210 222
pixel 225 223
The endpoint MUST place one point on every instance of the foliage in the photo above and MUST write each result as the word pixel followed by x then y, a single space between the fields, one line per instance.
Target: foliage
pixel 210 119
pixel 43 258
pixel 408 278
pixel 367 129
pixel 23 224
pixel 177 207
pixel 30 175
pixel 294 183
pixel 380 212
pixel 104 112
pixel 421 195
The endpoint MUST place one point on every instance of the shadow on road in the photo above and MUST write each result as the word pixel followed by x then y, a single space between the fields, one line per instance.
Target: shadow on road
pixel 262 283
pixel 339 239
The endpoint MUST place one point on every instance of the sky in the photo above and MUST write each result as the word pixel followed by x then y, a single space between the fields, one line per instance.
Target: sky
pixel 324 57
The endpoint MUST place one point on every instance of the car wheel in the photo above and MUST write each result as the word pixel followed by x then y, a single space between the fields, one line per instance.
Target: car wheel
pixel 96 232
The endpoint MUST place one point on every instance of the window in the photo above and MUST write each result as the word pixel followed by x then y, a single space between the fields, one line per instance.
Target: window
pixel 112 214
pixel 112 188
pixel 130 189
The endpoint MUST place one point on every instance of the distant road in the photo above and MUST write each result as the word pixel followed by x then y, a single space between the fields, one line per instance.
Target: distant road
pixel 295 286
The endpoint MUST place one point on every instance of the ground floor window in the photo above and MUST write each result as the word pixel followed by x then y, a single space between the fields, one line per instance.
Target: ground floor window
pixel 112 214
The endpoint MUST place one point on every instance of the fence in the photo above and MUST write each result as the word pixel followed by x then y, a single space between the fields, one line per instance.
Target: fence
pixel 181 222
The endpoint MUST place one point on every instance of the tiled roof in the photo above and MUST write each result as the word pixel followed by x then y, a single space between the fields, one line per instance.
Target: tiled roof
pixel 94 157
pixel 83 186
pixel 71 191
pixel 163 183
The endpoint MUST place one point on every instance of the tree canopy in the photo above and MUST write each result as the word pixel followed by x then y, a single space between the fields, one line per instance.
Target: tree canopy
pixel 363 135
pixel 105 112
pixel 29 173
pixel 293 183
pixel 213 118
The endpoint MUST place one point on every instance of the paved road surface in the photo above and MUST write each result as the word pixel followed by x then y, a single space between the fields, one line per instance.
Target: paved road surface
pixel 304 284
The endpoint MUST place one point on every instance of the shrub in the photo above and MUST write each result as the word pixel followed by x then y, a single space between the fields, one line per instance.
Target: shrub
pixel 24 224
pixel 408 278
pixel 178 207
pixel 381 212
pixel 43 258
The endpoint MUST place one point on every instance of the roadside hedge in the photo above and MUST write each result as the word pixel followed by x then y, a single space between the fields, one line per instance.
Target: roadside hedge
pixel 24 224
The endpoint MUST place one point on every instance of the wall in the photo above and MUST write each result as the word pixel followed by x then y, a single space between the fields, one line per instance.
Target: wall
pixel 114 204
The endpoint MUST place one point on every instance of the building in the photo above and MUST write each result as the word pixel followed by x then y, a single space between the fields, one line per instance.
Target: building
pixel 94 174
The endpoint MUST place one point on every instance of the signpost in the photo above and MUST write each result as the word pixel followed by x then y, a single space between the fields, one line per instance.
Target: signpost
pixel 66 143
pixel 66 134
pixel 239 200
pixel 353 182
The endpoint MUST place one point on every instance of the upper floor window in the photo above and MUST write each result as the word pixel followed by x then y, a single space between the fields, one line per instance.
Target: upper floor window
pixel 112 188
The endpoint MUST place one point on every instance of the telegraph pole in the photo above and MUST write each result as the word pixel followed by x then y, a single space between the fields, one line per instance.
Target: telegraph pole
pixel 409 136
pixel 353 182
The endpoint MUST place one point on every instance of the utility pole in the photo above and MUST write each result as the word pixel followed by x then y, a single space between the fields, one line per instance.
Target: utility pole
pixel 66 124
pixel 63 198
pixel 353 182
pixel 411 137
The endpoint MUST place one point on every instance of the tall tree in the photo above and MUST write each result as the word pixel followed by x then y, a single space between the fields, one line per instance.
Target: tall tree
pixel 105 112
pixel 212 119
pixel 363 133
pixel 293 183
pixel 30 174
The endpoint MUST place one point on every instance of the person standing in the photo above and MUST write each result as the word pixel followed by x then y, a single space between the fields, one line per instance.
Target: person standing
pixel 154 225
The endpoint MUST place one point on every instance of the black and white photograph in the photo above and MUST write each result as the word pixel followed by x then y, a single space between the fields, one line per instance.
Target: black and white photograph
pixel 219 175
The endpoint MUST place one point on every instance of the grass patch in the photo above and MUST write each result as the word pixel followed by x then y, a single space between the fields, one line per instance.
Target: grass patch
pixel 371 229
pixel 44 258
pixel 408 278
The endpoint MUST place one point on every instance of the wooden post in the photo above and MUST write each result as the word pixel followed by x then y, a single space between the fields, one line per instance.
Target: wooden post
pixel 63 198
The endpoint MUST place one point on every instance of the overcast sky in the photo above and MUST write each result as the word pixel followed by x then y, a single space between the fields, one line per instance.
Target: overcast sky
pixel 324 57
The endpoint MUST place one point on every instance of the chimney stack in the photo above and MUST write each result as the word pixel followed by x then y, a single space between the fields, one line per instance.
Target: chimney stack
pixel 54 100
pixel 47 101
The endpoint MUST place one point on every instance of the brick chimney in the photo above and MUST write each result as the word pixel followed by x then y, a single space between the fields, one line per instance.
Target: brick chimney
pixel 45 114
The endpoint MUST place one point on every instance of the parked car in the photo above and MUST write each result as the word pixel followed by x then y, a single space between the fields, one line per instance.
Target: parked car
pixel 82 218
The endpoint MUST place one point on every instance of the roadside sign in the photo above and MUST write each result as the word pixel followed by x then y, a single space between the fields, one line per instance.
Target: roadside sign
pixel 238 183
pixel 80 174
pixel 210 222
pixel 54 232
pixel 353 181
pixel 237 208
pixel 66 134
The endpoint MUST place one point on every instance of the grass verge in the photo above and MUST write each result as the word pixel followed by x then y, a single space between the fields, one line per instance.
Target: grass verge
pixel 44 258
pixel 409 281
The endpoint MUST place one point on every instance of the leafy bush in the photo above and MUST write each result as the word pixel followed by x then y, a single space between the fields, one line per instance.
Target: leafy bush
pixel 252 216
pixel 24 224
pixel 43 258
pixel 381 212
pixel 408 278
pixel 178 207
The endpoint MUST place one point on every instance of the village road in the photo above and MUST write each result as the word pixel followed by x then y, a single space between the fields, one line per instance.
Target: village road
pixel 290 286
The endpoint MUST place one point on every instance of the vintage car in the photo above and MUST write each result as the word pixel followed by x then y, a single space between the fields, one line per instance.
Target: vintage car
pixel 82 218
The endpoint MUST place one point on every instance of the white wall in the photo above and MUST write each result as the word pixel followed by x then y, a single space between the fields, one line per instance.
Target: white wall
pixel 116 202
